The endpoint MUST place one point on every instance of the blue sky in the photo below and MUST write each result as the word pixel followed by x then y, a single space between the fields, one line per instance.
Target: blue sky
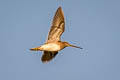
pixel 91 24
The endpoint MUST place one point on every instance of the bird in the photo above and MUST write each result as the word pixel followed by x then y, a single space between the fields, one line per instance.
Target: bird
pixel 54 44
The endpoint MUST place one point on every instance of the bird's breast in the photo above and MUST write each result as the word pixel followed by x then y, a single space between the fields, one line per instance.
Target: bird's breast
pixel 50 47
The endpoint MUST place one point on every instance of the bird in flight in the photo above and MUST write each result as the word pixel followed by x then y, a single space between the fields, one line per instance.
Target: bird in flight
pixel 54 44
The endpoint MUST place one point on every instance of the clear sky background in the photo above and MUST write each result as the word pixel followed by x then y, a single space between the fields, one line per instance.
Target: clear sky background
pixel 91 24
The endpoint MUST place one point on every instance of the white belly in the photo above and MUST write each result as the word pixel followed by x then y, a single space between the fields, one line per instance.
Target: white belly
pixel 50 47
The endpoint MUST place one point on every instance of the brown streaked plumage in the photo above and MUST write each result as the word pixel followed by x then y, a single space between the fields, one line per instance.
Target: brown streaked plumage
pixel 53 43
pixel 58 26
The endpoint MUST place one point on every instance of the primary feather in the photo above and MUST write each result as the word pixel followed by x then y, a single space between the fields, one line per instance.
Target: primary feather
pixel 58 26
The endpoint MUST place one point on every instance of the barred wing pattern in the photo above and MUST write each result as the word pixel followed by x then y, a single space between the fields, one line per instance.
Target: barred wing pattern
pixel 57 27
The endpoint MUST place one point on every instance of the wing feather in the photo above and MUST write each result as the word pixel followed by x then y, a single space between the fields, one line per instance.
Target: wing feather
pixel 48 55
pixel 57 27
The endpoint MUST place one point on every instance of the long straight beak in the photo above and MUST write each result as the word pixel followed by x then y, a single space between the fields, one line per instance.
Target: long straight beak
pixel 75 46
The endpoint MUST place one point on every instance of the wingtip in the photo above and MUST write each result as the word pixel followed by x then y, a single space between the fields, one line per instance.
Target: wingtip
pixel 61 11
pixel 59 8
pixel 44 62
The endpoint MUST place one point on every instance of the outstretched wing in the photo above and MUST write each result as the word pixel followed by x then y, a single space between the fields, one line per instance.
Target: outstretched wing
pixel 48 55
pixel 57 27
